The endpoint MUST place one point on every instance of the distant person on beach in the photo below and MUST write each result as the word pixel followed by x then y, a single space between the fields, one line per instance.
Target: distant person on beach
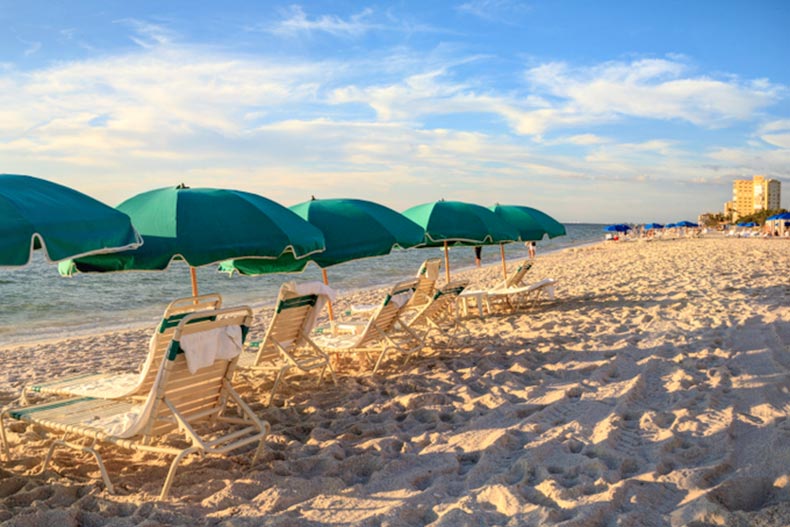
pixel 532 247
pixel 478 253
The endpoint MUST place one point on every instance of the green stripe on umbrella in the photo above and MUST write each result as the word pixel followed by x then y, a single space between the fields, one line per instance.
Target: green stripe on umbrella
pixel 459 223
pixel 64 223
pixel 531 224
pixel 204 226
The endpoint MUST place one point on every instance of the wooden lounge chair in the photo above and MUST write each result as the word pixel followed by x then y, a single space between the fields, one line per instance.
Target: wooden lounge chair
pixel 511 293
pixel 427 275
pixel 523 296
pixel 516 279
pixel 439 317
pixel 384 331
pixel 192 405
pixel 132 383
pixel 287 343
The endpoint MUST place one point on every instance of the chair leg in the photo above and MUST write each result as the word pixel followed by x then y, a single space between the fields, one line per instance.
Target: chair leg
pixel 171 474
pixel 331 372
pixel 82 448
pixel 277 381
pixel 258 452
pixel 6 450
pixel 379 360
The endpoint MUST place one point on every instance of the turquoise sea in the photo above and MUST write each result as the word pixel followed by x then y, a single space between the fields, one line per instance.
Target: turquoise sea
pixel 39 304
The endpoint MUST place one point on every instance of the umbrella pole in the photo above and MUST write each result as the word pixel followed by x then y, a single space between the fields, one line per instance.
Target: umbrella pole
pixel 193 276
pixel 446 262
pixel 328 302
pixel 504 265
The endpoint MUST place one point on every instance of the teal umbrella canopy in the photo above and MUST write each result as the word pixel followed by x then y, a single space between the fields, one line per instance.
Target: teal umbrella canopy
pixel 64 223
pixel 206 226
pixel 460 223
pixel 352 228
pixel 532 224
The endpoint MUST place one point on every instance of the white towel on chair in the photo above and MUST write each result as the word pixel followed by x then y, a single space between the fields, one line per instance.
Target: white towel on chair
pixel 321 290
pixel 401 298
pixel 204 347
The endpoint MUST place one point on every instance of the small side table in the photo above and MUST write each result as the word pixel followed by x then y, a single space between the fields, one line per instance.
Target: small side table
pixel 479 296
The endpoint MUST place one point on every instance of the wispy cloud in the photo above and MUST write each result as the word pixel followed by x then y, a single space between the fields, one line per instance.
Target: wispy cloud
pixel 298 22
pixel 501 11
pixel 147 34
pixel 776 133
pixel 32 48
pixel 649 88
pixel 168 111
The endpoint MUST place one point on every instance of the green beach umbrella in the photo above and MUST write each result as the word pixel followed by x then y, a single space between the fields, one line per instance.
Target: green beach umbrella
pixel 531 224
pixel 62 222
pixel 204 226
pixel 352 228
pixel 459 223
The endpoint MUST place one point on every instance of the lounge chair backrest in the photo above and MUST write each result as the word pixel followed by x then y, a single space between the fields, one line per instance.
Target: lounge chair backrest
pixel 195 396
pixel 426 281
pixel 430 269
pixel 516 279
pixel 179 308
pixel 160 341
pixel 442 301
pixel 291 321
pixel 388 312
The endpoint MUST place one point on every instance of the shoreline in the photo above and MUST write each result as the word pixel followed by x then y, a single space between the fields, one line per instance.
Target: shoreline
pixel 140 324
pixel 653 390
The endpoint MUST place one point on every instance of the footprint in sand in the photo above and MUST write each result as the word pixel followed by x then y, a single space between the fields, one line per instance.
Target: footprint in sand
pixel 743 494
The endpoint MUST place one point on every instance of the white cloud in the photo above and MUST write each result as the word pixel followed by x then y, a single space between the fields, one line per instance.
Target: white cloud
pixel 580 139
pixel 500 11
pixel 170 112
pixel 648 88
pixel 32 48
pixel 776 133
pixel 299 22
pixel 148 35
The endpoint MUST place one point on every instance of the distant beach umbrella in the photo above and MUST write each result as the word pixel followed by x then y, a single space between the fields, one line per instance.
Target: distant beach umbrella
pixel 62 222
pixel 531 224
pixel 459 223
pixel 653 226
pixel 685 223
pixel 618 227
pixel 203 226
pixel 352 229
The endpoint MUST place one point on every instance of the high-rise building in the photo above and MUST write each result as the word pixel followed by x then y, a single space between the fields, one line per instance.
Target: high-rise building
pixel 753 195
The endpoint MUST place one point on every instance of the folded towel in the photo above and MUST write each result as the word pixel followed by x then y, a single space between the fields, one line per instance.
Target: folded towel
pixel 204 347
pixel 118 424
pixel 110 386
pixel 324 293
pixel 401 298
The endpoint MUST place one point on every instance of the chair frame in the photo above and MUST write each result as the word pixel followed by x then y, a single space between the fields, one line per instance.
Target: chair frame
pixel 163 334
pixel 287 343
pixel 384 331
pixel 440 315
pixel 426 276
pixel 177 400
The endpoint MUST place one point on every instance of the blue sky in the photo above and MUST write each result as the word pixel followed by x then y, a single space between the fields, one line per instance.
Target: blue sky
pixel 600 111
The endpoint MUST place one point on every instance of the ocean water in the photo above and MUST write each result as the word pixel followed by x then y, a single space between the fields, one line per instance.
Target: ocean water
pixel 39 304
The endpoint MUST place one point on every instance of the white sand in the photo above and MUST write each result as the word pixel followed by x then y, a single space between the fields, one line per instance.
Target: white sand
pixel 654 391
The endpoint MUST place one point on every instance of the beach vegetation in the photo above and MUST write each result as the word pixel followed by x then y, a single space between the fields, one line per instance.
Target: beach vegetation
pixel 759 217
